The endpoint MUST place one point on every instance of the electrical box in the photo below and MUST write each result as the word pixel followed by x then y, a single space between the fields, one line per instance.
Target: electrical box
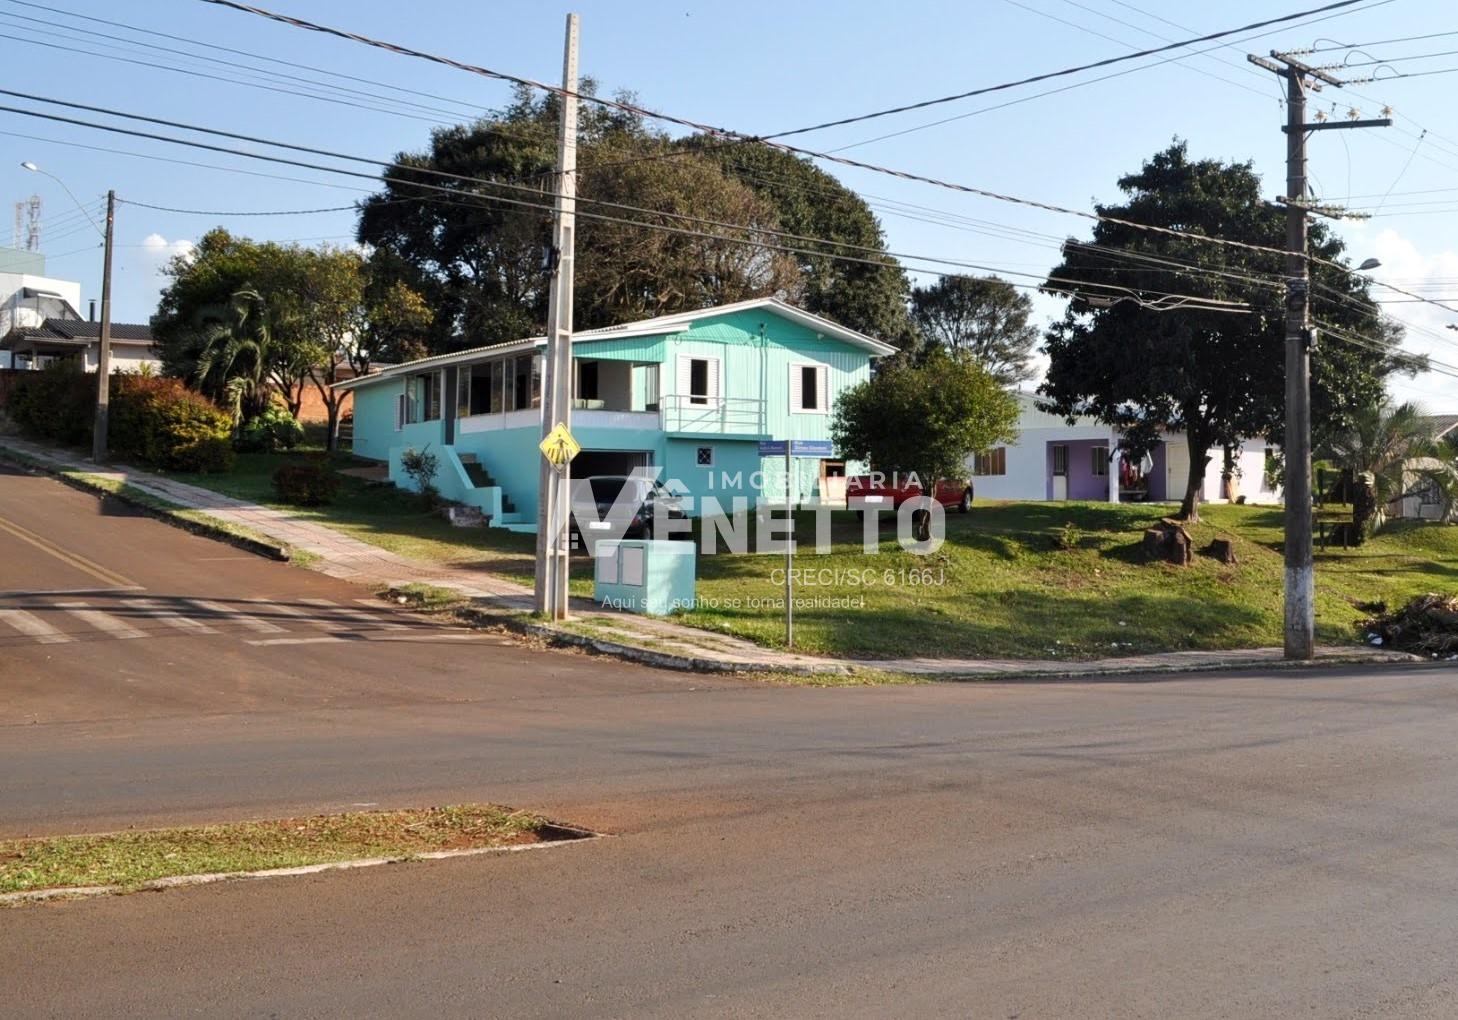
pixel 644 576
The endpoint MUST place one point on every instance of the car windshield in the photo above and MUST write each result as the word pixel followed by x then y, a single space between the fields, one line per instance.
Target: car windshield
pixel 605 488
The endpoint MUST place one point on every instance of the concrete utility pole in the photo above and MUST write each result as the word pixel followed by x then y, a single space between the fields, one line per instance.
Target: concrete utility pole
pixel 553 504
pixel 1300 616
pixel 103 351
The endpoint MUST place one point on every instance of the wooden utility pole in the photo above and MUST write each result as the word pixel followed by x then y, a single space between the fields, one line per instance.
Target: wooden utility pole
pixel 553 503
pixel 1300 615
pixel 103 352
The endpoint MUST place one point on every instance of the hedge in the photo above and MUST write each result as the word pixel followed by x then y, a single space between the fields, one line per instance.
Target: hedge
pixel 153 421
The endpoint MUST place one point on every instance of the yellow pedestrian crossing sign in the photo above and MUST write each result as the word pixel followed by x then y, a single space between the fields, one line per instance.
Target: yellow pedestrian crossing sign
pixel 560 446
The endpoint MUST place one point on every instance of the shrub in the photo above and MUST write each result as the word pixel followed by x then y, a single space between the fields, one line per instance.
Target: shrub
pixel 305 484
pixel 56 403
pixel 270 431
pixel 421 467
pixel 1068 537
pixel 162 422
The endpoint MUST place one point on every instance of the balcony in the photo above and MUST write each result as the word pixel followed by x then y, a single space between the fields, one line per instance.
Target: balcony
pixel 723 416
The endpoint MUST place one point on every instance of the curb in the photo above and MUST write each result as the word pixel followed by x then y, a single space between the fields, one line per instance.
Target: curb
pixel 208 878
pixel 1072 673
pixel 644 656
pixel 167 515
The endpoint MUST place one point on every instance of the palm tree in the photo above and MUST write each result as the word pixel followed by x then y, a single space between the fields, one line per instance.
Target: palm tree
pixel 231 352
pixel 1384 442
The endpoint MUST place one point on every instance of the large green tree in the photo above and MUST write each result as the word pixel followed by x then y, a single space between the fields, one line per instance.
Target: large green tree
pixel 476 250
pixel 925 416
pixel 1144 362
pixel 865 289
pixel 200 304
pixel 242 318
pixel 983 316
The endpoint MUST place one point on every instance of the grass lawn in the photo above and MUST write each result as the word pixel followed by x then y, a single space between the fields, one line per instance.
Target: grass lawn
pixel 1000 586
pixel 128 859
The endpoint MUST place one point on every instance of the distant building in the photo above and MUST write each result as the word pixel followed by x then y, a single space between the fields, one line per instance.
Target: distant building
pixel 1053 460
pixel 40 323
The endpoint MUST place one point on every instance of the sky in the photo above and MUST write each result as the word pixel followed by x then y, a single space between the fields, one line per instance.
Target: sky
pixel 756 67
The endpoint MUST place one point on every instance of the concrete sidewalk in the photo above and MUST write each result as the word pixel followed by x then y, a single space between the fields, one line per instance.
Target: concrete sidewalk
pixel 656 641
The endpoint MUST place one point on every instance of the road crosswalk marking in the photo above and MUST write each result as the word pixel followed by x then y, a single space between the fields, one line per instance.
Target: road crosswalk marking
pixel 123 619
pixel 156 610
pixel 353 615
pixel 33 626
pixel 232 615
pixel 102 621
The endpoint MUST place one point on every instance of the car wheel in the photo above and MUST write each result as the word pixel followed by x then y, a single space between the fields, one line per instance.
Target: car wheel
pixel 965 506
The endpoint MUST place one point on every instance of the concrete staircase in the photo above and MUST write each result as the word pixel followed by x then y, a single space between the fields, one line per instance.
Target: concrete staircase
pixel 488 494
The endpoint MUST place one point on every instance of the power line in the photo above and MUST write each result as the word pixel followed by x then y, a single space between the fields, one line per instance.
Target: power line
pixel 696 126
pixel 1377 42
pixel 877 258
pixel 474 108
pixel 243 212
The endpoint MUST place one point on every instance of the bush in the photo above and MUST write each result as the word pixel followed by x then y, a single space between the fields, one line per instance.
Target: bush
pixel 57 403
pixel 162 422
pixel 305 484
pixel 272 430
pixel 421 467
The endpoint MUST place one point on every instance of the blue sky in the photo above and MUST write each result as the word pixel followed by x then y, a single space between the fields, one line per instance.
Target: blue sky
pixel 757 67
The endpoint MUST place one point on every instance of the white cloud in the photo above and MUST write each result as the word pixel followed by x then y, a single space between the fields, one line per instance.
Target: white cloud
pixel 161 250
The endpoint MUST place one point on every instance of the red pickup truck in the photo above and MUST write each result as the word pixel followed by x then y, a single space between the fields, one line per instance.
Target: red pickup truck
pixel 891 489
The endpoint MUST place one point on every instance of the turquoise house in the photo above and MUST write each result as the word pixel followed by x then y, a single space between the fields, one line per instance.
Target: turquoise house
pixel 692 394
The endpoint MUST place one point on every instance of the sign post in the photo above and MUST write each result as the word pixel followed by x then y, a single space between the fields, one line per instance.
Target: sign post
pixel 792 448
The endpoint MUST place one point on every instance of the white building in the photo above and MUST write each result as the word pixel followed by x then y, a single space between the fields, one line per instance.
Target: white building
pixel 39 321
pixel 1052 460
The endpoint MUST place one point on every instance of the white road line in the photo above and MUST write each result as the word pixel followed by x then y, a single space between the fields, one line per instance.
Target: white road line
pixel 326 640
pixel 101 621
pixel 352 615
pixel 232 615
pixel 33 626
pixel 158 610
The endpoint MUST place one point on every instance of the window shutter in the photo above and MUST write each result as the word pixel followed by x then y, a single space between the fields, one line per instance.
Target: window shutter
pixel 822 383
pixel 797 395
pixel 685 370
pixel 713 381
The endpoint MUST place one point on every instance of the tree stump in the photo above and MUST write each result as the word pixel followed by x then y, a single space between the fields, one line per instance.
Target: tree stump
pixel 1169 541
pixel 1223 550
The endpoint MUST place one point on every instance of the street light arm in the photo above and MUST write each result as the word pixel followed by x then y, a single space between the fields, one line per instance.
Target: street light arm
pixel 84 211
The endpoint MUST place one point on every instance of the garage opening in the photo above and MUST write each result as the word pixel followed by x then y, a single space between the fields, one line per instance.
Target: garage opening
pixel 609 462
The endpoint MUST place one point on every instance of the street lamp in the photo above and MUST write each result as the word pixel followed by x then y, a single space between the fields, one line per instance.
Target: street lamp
pixel 33 168
pixel 103 346
pixel 1368 264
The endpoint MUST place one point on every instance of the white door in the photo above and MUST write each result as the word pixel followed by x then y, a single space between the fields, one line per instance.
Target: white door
pixel 1060 472
pixel 1176 471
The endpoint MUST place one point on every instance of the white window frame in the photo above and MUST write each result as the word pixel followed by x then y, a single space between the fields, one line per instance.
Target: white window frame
pixel 1100 465
pixel 402 410
pixel 715 373
pixel 822 387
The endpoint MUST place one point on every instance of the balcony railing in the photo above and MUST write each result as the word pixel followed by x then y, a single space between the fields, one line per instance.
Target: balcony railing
pixel 712 415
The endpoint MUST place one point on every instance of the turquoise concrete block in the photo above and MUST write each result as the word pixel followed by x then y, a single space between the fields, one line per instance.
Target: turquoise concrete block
pixel 643 576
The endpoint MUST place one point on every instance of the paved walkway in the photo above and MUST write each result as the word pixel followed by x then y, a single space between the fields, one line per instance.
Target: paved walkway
pixel 650 639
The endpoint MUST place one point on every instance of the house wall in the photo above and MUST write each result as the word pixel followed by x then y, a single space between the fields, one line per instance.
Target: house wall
pixel 1083 484
pixel 755 365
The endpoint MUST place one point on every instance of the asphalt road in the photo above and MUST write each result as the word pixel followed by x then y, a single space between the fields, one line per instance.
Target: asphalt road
pixel 1203 846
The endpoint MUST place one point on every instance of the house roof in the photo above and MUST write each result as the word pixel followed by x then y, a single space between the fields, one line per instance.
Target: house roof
pixel 1441 424
pixel 675 323
pixel 77 332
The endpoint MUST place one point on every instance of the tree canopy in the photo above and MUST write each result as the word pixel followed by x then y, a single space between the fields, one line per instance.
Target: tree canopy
pixel 1215 375
pixel 985 317
pixel 240 318
pixel 925 415
pixel 476 251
